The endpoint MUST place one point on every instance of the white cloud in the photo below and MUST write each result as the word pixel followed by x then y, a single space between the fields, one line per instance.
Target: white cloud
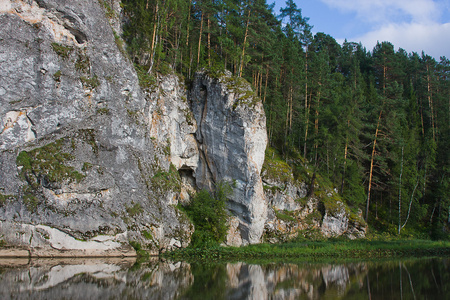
pixel 415 37
pixel 384 10
pixel 409 24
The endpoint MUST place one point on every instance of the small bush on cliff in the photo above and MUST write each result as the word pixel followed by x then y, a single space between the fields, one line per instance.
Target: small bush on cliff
pixel 47 164
pixel 209 215
pixel 62 50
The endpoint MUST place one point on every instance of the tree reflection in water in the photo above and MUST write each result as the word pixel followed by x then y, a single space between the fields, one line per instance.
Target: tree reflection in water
pixel 154 279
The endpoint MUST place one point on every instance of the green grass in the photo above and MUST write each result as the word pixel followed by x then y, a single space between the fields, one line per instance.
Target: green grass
pixel 82 64
pixel 146 80
pixel 134 210
pixel 276 168
pixel 62 50
pixel 57 76
pixel 90 82
pixel 285 215
pixel 313 250
pixel 6 198
pixel 109 12
pixel 163 181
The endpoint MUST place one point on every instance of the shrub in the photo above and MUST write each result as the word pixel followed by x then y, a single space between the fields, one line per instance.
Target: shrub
pixel 146 80
pixel 90 82
pixel 47 163
pixel 209 215
pixel 62 50
pixel 134 210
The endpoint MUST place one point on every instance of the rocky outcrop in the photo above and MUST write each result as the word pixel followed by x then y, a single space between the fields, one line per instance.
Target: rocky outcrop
pixel 232 138
pixel 293 210
pixel 83 158
pixel 92 160
pixel 173 125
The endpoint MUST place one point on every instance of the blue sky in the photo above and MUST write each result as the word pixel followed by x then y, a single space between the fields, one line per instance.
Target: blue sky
pixel 413 25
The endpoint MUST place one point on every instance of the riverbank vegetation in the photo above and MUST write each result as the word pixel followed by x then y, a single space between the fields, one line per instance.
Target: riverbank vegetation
pixel 376 122
pixel 317 250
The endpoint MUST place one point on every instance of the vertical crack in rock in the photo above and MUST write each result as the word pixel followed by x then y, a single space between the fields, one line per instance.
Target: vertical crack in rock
pixel 232 135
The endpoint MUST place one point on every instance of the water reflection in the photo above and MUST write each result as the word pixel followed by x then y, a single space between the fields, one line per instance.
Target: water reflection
pixel 126 279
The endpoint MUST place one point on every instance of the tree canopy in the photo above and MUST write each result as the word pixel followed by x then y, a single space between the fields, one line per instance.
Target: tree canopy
pixel 377 123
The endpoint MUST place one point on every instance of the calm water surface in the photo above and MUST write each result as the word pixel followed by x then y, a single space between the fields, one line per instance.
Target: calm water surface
pixel 127 279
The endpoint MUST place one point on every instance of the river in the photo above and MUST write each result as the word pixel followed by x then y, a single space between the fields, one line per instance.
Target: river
pixel 427 278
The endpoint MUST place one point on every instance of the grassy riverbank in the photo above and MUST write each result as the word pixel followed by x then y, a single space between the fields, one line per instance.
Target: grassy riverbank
pixel 341 249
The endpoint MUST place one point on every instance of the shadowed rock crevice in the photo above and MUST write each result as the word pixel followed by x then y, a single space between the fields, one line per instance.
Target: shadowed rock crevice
pixel 232 139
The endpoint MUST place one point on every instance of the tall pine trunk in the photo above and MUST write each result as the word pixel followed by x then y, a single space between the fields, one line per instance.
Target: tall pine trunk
pixel 200 41
pixel 243 46
pixel 371 166
pixel 400 195
pixel 306 102
pixel 154 38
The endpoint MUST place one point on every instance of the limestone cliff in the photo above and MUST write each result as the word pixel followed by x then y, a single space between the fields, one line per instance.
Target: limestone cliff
pixel 92 158
pixel 232 139
pixel 84 166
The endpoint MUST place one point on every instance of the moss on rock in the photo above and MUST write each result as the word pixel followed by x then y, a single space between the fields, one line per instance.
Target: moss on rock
pixel 275 167
pixel 47 163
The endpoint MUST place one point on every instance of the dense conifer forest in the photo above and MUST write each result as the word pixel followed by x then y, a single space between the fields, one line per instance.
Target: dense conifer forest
pixel 375 122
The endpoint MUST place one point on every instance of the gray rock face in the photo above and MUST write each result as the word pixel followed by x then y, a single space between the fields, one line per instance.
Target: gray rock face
pixel 292 211
pixel 90 161
pixel 80 151
pixel 232 140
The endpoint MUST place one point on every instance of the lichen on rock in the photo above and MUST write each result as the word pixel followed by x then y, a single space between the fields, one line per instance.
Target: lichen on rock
pixel 76 148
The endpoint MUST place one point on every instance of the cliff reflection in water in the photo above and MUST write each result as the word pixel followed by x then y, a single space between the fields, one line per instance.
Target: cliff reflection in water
pixel 126 279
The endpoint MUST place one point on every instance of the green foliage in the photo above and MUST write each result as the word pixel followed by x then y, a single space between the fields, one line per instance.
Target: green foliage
pixel 164 68
pixel 147 235
pixel 109 12
pixel 210 282
pixel 6 198
pixel 47 163
pixel 86 166
pixel 88 136
pixel 62 50
pixel 164 181
pixel 103 111
pixel 83 63
pixel 209 214
pixel 134 210
pixel 57 76
pixel 146 80
pixel 30 200
pixel 136 246
pixel 275 167
pixel 120 44
pixel 308 249
pixel 90 82
pixel 285 215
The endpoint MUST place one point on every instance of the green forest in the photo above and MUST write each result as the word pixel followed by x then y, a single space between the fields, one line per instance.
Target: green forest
pixel 375 122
